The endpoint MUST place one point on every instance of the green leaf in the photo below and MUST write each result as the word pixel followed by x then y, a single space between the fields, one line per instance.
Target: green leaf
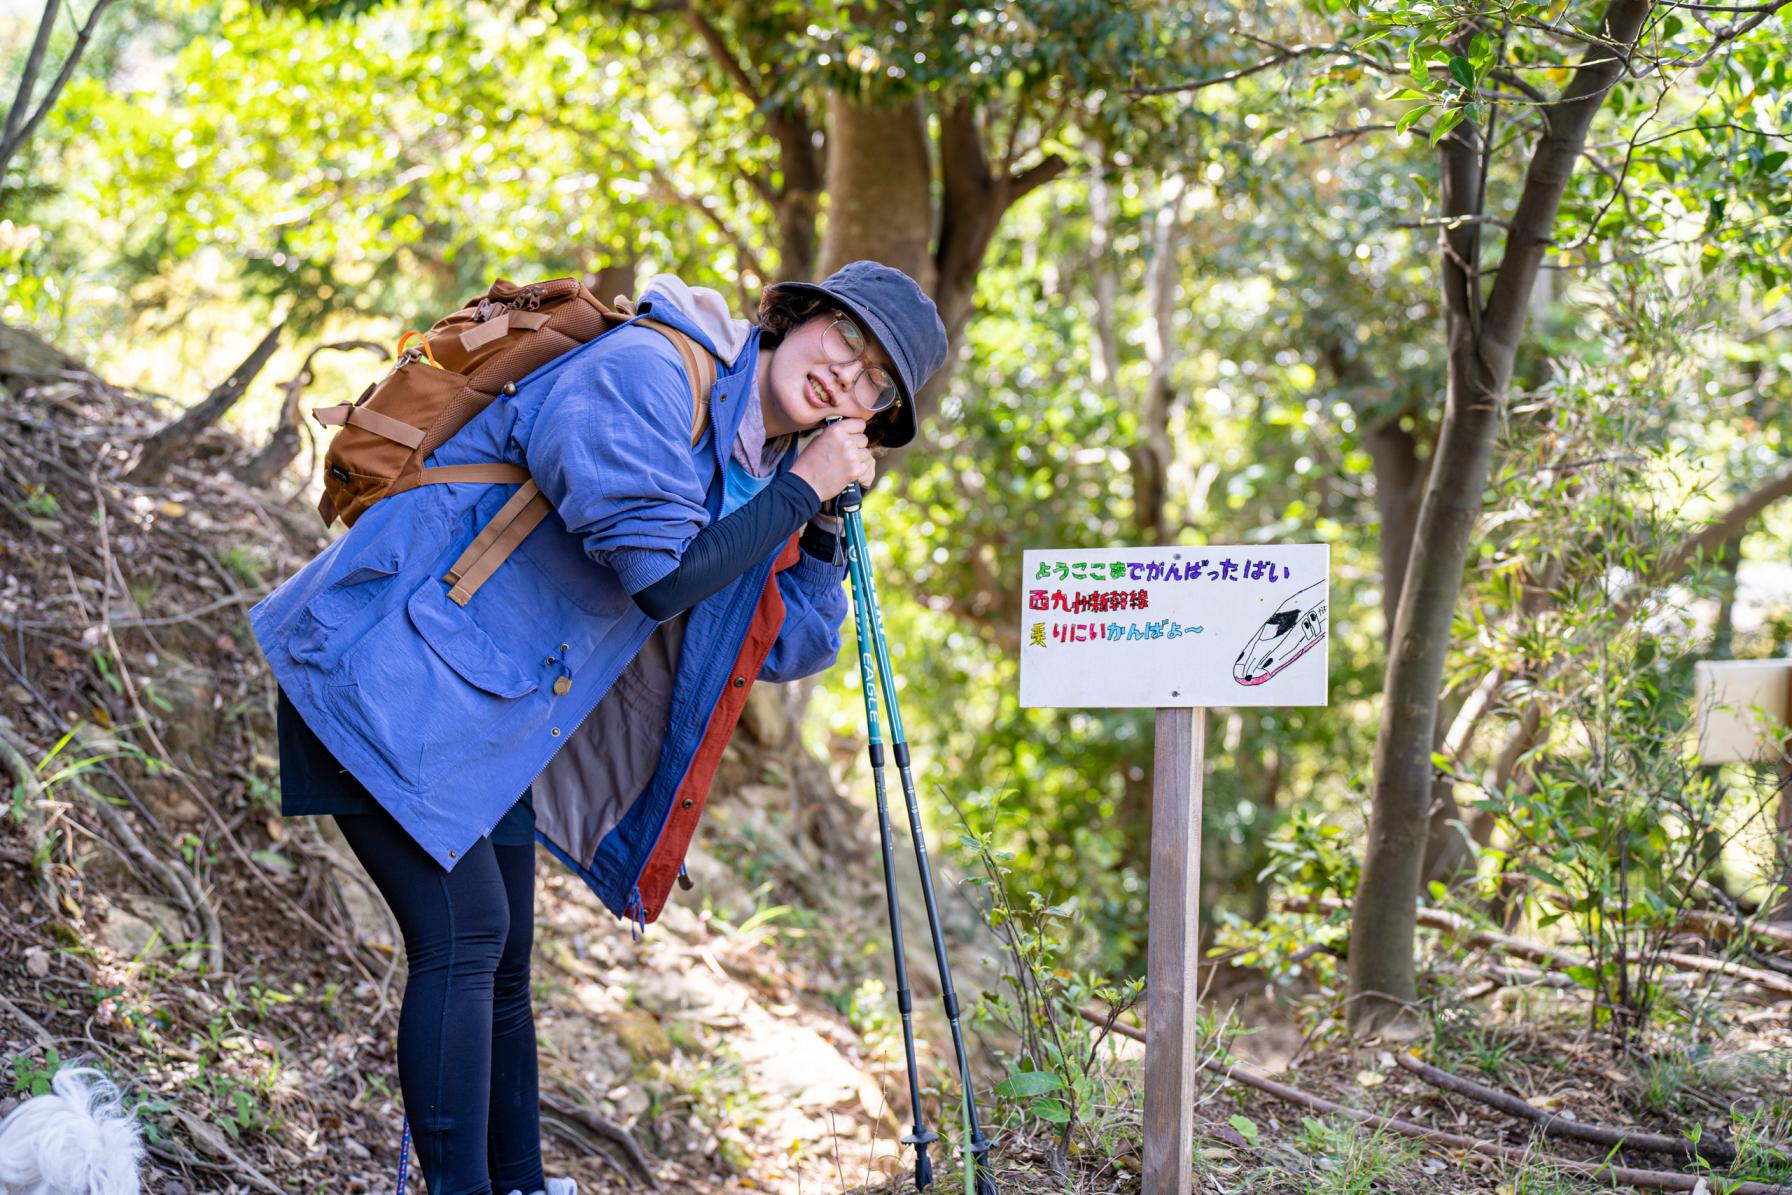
pixel 1051 1111
pixel 1247 1128
pixel 1586 977
pixel 1406 121
pixel 273 861
pixel 1462 71
pixel 1024 1084
pixel 1416 58
pixel 1445 123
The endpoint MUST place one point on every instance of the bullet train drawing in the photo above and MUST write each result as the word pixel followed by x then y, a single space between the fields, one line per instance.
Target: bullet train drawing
pixel 1285 636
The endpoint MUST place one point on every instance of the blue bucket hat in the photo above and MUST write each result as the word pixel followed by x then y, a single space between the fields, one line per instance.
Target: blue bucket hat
pixel 901 319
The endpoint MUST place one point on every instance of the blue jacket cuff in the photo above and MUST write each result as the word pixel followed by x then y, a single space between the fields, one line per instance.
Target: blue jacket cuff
pixel 817 574
pixel 637 568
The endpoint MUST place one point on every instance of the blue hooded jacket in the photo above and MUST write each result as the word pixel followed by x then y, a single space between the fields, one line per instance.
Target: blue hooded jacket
pixel 447 713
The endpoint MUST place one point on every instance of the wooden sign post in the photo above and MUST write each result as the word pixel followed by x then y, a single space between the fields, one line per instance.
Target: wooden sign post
pixel 1180 630
pixel 1172 950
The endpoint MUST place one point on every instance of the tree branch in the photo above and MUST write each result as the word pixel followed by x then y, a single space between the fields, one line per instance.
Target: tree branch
pixel 161 448
pixel 670 191
pixel 1729 525
pixel 1035 176
pixel 1712 1150
pixel 11 145
pixel 1552 164
pixel 46 25
pixel 1287 54
pixel 724 57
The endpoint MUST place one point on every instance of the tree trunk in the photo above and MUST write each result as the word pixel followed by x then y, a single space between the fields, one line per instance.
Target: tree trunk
pixel 1784 846
pixel 1483 342
pixel 615 278
pixel 798 201
pixel 282 446
pixel 21 101
pixel 1399 478
pixel 1105 367
pixel 879 183
pixel 1152 456
pixel 169 441
pixel 21 118
pixel 973 200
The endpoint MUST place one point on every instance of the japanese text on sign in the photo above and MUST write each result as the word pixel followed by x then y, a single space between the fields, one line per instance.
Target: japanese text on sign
pixel 1174 626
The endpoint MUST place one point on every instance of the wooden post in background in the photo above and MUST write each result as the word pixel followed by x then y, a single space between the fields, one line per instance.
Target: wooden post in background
pixel 1730 698
pixel 1172 950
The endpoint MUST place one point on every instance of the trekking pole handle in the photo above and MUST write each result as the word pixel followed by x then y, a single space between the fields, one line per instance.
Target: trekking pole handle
pixel 852 497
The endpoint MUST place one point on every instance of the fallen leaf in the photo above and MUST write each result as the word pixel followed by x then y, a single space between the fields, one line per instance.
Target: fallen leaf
pixel 1230 1136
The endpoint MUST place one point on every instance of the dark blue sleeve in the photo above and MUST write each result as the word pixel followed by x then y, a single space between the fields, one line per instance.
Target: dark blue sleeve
pixel 730 546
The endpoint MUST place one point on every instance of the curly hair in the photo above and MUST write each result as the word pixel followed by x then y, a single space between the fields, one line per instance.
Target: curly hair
pixel 781 312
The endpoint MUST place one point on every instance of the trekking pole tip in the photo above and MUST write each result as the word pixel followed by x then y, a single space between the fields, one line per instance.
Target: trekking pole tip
pixel 986 1181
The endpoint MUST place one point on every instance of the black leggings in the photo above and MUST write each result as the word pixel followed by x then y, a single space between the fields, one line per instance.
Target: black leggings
pixel 466 1033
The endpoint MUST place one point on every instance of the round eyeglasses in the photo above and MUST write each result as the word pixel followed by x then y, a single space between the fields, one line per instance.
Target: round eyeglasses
pixel 874 389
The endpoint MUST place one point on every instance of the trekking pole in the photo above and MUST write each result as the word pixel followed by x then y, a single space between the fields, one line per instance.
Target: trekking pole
pixel 865 600
pixel 921 1138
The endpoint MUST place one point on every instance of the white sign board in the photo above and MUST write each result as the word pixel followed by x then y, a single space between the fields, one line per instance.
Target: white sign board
pixel 1742 708
pixel 1166 627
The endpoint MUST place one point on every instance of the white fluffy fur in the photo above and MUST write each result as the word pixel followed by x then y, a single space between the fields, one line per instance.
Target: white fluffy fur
pixel 557 1186
pixel 76 1140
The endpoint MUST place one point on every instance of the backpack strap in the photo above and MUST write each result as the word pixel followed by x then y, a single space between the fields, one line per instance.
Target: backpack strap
pixel 527 507
pixel 496 541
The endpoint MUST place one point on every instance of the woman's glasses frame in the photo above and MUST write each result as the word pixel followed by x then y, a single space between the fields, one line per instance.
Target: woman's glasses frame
pixel 844 342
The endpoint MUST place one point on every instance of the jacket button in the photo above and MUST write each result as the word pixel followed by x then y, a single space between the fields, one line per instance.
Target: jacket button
pixel 562 686
pixel 739 681
pixel 509 389
pixel 451 854
pixel 555 732
pixel 686 803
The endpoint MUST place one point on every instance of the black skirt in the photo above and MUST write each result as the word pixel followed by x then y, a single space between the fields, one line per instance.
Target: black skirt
pixel 313 782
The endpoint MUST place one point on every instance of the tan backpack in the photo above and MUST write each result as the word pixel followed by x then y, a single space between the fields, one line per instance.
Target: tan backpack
pixel 444 378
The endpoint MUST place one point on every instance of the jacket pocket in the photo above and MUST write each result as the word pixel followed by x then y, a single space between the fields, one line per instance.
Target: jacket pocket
pixel 463 645
pixel 323 632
